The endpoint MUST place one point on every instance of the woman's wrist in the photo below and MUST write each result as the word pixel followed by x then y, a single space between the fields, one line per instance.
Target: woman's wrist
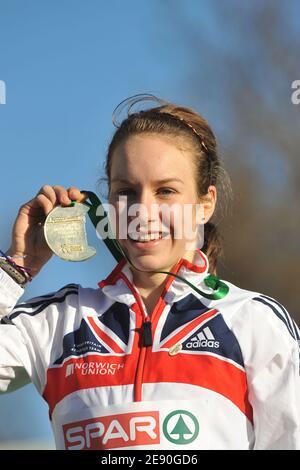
pixel 18 273
pixel 30 264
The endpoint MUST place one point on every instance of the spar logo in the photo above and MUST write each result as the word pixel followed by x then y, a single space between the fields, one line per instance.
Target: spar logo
pixel 112 432
pixel 181 427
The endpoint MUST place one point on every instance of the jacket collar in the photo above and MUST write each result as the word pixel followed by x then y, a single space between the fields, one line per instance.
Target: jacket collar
pixel 119 284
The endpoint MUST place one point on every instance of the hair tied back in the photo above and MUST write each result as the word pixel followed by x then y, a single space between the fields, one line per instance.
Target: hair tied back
pixel 125 108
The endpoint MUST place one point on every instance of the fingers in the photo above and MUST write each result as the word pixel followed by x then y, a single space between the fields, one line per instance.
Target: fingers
pixel 43 202
pixel 75 194
pixel 49 197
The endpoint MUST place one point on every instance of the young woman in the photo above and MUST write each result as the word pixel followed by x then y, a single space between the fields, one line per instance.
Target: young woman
pixel 150 360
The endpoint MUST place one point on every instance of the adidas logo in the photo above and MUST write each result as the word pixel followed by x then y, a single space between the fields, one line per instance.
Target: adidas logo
pixel 204 339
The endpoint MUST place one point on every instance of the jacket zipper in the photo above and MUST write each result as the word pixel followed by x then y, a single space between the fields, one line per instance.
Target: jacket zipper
pixel 147 332
pixel 147 341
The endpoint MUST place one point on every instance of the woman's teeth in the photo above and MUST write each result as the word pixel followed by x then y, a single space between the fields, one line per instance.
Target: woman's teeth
pixel 145 238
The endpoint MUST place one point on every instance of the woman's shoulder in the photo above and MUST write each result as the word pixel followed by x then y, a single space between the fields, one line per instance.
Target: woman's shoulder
pixel 54 314
pixel 69 299
pixel 256 310
pixel 34 306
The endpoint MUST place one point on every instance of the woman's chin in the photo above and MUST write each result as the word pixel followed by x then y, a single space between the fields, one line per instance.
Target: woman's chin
pixel 149 264
pixel 155 258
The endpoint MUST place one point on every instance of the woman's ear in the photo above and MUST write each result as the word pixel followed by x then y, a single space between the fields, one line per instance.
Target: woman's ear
pixel 209 203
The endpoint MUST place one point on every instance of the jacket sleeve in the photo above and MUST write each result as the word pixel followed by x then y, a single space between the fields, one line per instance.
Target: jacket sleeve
pixel 269 340
pixel 31 333
pixel 10 292
pixel 15 365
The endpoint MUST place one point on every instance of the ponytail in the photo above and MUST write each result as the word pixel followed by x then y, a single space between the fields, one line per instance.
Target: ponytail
pixel 178 121
pixel 212 245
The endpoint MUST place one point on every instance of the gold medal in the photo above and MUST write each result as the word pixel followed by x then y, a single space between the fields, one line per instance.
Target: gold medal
pixel 65 233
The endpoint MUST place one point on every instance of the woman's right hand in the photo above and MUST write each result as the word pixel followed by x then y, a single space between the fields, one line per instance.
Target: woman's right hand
pixel 28 246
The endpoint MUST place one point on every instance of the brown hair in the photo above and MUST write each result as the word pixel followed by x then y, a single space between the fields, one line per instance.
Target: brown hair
pixel 172 120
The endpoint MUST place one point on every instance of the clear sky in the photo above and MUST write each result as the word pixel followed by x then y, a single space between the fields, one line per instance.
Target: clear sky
pixel 66 65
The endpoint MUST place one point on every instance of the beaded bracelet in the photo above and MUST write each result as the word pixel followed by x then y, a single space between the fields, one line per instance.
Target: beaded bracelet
pixel 26 272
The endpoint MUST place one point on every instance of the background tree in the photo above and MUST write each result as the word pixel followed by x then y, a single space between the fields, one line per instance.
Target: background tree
pixel 242 59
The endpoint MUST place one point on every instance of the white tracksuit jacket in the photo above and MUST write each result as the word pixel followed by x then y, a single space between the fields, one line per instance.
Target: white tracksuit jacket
pixel 219 374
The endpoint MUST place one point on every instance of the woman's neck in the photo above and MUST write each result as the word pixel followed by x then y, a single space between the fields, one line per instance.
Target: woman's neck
pixel 150 287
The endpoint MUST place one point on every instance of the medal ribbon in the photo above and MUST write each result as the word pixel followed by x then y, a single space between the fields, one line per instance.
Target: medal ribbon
pixel 219 288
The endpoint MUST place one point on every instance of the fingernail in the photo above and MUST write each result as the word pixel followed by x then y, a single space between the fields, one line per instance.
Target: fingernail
pixel 66 200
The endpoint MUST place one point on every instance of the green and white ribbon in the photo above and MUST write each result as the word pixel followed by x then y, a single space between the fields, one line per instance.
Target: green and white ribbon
pixel 218 287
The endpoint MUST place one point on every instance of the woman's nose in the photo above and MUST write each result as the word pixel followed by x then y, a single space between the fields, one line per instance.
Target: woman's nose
pixel 147 209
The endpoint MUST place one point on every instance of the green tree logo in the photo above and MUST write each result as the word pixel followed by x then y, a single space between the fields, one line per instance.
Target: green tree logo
pixel 181 427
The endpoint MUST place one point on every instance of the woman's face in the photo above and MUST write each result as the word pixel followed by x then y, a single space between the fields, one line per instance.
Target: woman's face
pixel 151 171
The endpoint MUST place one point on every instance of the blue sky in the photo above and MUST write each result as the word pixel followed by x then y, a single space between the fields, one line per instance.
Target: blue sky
pixel 66 65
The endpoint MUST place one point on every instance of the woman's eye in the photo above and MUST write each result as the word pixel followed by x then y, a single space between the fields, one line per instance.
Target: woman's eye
pixel 166 191
pixel 132 193
pixel 125 192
